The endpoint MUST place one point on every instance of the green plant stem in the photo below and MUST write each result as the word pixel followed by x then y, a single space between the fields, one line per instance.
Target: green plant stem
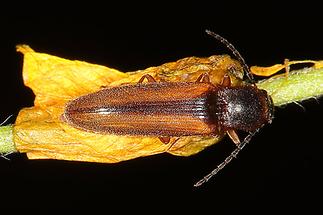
pixel 7 145
pixel 297 86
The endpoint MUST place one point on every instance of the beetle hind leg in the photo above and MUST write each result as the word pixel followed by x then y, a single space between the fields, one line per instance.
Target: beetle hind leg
pixel 164 140
pixel 172 144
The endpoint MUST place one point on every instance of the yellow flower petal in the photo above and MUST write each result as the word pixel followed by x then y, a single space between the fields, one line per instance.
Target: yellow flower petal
pixel 55 79
pixel 40 133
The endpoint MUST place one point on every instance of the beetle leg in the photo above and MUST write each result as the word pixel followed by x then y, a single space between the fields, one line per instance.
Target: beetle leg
pixel 226 81
pixel 148 77
pixel 271 70
pixel 204 77
pixel 172 144
pixel 233 136
pixel 164 140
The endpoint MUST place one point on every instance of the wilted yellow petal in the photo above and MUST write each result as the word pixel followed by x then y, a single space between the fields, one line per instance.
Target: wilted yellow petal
pixel 40 133
pixel 56 80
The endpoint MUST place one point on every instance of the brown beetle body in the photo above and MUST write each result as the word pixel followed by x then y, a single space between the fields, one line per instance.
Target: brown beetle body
pixel 153 109
pixel 175 109
pixel 170 109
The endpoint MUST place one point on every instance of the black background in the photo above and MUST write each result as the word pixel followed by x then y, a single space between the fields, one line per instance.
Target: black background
pixel 280 170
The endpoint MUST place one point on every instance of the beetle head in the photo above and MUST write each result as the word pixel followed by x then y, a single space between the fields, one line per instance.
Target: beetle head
pixel 245 108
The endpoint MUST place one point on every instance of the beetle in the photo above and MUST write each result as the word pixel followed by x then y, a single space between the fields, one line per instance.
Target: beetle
pixel 176 109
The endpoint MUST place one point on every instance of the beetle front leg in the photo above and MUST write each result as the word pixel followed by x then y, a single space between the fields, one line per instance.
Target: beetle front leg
pixel 234 136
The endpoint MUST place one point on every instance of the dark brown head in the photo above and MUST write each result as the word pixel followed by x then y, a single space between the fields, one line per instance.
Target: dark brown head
pixel 245 108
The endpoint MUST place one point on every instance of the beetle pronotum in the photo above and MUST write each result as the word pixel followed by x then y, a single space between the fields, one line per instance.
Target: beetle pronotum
pixel 175 109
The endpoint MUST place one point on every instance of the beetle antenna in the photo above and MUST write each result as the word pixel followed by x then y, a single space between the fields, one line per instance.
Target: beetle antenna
pixel 235 52
pixel 227 160
pixel 6 120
